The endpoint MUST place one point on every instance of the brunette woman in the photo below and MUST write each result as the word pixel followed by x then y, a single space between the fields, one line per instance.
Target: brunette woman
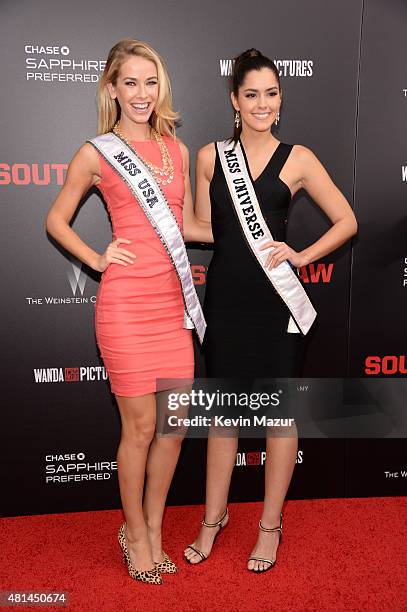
pixel 257 311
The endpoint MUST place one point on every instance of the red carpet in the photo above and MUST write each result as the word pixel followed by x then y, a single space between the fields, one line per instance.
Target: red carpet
pixel 336 554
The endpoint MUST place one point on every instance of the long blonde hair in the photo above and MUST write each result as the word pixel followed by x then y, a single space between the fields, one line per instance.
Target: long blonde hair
pixel 163 116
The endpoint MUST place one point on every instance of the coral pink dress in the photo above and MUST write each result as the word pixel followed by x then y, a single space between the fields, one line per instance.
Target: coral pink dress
pixel 139 308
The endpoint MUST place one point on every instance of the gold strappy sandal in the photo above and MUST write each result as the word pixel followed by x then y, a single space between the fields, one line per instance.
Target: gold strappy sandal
pixel 269 561
pixel 151 576
pixel 205 524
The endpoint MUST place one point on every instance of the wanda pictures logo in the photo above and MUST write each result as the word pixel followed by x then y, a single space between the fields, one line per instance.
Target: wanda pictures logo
pixel 258 458
pixel 70 374
pixel 285 67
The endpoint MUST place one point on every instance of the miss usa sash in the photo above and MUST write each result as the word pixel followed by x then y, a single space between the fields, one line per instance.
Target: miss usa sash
pixel 257 233
pixel 151 198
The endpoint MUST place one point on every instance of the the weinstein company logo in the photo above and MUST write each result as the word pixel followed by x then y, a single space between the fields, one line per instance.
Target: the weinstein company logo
pixel 392 474
pixel 77 278
pixel 77 281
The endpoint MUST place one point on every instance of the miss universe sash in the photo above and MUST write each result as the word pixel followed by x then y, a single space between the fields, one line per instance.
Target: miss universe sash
pixel 151 198
pixel 257 233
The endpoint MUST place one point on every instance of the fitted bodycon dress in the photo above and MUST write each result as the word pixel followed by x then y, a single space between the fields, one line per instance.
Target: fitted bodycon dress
pixel 139 308
pixel 247 320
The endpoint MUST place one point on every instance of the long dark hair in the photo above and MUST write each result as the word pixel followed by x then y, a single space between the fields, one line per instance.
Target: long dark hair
pixel 252 59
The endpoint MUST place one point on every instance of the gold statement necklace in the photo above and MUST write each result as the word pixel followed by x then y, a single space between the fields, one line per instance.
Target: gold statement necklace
pixel 163 175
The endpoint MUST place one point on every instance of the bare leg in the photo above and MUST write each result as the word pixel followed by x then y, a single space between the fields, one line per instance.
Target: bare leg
pixel 220 461
pixel 161 464
pixel 138 415
pixel 280 462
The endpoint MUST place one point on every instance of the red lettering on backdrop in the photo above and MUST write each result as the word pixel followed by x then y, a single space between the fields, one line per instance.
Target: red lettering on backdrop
pixel 21 174
pixel 71 374
pixel 389 364
pixel 309 274
pixel 4 176
pixel 46 175
pixel 32 174
pixel 60 168
pixel 372 365
pixel 312 274
pixel 253 458
pixel 198 274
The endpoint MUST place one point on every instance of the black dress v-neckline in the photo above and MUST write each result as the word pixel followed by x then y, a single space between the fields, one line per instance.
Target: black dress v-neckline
pixel 266 167
pixel 247 320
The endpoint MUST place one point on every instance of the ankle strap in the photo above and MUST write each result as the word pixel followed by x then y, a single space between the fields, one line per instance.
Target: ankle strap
pixel 205 524
pixel 280 528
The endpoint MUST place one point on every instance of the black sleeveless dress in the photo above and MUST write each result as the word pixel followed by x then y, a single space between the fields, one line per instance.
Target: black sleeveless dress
pixel 247 320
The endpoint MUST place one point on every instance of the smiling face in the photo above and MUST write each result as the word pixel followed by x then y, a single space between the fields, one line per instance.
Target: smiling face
pixel 258 100
pixel 136 89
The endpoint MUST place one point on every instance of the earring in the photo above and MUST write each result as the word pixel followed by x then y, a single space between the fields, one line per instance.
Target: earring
pixel 237 119
pixel 277 119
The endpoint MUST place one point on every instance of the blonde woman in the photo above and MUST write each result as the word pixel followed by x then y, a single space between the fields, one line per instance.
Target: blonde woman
pixel 145 306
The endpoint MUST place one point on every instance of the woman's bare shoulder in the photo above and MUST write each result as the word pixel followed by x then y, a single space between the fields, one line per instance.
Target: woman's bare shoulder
pixel 302 154
pixel 86 161
pixel 206 154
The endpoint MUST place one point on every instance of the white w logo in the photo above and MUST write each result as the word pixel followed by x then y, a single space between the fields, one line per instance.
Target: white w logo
pixel 77 278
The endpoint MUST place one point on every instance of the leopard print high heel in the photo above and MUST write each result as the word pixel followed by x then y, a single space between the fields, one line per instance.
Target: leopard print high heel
pixel 166 566
pixel 150 576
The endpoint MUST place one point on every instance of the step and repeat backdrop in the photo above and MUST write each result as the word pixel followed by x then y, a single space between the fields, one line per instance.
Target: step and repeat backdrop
pixel 344 95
